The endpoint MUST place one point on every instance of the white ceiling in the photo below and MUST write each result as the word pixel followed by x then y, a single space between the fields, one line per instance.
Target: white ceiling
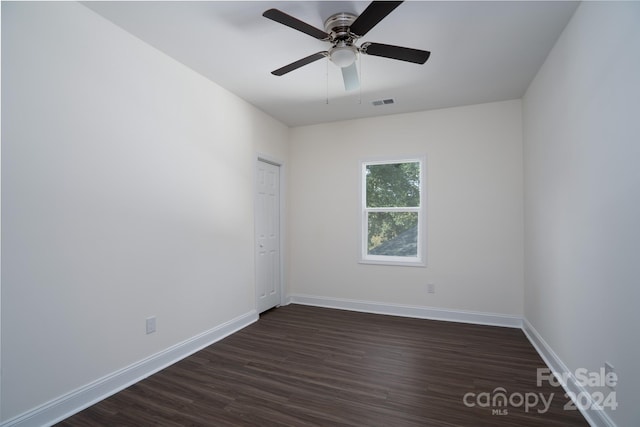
pixel 480 52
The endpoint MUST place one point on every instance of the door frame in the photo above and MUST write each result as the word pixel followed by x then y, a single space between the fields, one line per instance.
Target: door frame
pixel 260 157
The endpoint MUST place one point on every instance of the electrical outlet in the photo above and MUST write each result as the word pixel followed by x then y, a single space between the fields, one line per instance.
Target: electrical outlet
pixel 151 324
pixel 431 288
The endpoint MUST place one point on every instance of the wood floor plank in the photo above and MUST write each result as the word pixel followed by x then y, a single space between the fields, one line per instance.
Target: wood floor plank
pixel 309 366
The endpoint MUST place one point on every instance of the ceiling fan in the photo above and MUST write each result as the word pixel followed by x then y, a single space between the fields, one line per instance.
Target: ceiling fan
pixel 342 30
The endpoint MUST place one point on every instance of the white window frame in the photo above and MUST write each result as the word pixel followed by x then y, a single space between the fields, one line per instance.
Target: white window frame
pixel 365 258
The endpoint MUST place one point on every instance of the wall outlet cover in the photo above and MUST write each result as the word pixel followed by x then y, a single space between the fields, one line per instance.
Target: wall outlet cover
pixel 151 324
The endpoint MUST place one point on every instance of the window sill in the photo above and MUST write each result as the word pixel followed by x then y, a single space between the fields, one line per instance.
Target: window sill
pixel 393 263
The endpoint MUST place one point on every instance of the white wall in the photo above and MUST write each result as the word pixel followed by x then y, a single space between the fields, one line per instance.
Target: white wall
pixel 582 197
pixel 474 208
pixel 127 192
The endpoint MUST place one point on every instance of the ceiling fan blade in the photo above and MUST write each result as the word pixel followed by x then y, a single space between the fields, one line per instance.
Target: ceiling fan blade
pixel 350 77
pixel 396 52
pixel 299 63
pixel 373 14
pixel 296 24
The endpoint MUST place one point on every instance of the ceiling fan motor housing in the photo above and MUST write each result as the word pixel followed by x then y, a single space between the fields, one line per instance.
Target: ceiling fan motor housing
pixel 337 26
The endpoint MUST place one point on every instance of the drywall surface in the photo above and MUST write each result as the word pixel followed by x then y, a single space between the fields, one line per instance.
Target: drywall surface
pixel 474 208
pixel 582 198
pixel 127 192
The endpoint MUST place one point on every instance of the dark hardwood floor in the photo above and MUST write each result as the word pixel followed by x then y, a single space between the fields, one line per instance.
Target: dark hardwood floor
pixel 308 366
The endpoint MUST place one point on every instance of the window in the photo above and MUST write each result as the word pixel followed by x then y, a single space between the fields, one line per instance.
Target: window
pixel 393 212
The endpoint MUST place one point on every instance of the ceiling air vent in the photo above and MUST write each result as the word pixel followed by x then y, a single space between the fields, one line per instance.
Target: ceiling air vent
pixel 383 102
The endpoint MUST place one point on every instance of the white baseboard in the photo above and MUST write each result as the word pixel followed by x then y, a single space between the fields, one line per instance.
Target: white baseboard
pixel 419 312
pixel 595 417
pixel 83 397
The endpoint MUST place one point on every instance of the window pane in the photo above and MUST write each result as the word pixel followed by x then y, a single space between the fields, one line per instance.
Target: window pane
pixel 393 185
pixel 393 233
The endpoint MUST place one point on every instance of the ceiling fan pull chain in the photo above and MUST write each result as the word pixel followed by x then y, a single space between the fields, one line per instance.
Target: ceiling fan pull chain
pixel 360 79
pixel 327 78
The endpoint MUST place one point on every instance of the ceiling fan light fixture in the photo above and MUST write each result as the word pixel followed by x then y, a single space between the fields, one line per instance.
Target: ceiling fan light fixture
pixel 343 56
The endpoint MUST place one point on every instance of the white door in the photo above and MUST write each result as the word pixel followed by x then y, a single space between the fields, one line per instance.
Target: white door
pixel 267 236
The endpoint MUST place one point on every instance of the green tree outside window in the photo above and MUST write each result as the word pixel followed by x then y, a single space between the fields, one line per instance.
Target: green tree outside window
pixel 392 196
